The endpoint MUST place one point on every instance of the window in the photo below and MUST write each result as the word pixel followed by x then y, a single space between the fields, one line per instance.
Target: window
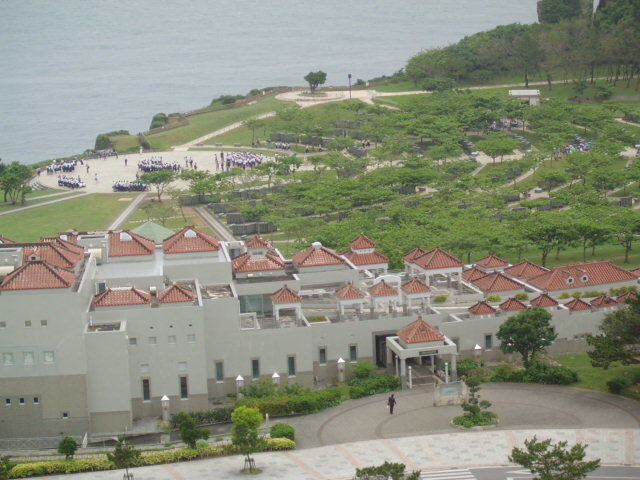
pixel 184 388
pixel 191 338
pixel 36 400
pixel 27 323
pixel 153 340
pixel 7 358
pixel 27 358
pixel 291 365
pixel 219 372
pixel 7 402
pixel 49 357
pixel 322 355
pixel 133 341
pixel 172 339
pixel 353 353
pixel 488 342
pixel 182 366
pixel 146 390
pixel 144 368
pixel 44 323
pixel 3 324
pixel 255 368
pixel 65 415
pixel 21 401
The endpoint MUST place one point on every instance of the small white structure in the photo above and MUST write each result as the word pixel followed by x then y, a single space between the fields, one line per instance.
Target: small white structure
pixel 529 97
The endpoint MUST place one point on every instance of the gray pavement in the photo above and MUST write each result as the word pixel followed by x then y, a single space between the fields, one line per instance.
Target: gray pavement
pixel 359 433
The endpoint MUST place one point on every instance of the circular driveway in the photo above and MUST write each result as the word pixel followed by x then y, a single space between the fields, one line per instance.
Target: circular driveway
pixel 519 406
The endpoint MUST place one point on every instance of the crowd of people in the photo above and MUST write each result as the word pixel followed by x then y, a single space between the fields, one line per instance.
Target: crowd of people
pixel 127 186
pixel 242 160
pixel 56 167
pixel 578 145
pixel 155 164
pixel 70 182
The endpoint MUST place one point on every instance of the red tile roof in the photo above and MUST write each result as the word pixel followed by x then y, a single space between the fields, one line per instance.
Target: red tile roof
pixel 525 270
pixel 362 242
pixel 38 275
pixel 119 296
pixel 285 295
pixel 349 292
pixel 512 305
pixel 361 259
pixel 481 308
pixel 316 256
pixel 491 261
pixel 124 243
pixel 257 242
pixel 543 300
pixel 420 332
pixel 413 254
pixel 630 295
pixel 576 305
pixel 436 259
pixel 190 240
pixel 415 286
pixel 52 254
pixel 176 294
pixel 247 263
pixel 582 275
pixel 382 289
pixel 497 282
pixel 4 239
pixel 635 271
pixel 472 274
pixel 603 301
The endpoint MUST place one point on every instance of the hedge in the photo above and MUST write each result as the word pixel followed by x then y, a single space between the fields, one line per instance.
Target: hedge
pixel 373 385
pixel 536 373
pixel 32 469
pixel 283 430
pixel 203 417
pixel 309 402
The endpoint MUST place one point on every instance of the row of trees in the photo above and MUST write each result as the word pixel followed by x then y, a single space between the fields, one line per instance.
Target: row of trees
pixel 14 181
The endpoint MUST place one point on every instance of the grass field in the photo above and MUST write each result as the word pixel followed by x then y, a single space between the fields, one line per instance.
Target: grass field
pixel 37 200
pixel 125 143
pixel 597 378
pixel 91 212
pixel 175 222
pixel 205 123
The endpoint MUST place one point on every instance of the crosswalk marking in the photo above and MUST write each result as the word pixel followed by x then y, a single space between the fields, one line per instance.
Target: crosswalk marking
pixel 453 474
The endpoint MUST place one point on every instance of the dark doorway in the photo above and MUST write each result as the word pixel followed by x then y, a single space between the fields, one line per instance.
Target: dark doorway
pixel 381 349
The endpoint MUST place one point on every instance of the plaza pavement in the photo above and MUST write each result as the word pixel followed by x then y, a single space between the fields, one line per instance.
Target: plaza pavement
pixel 359 433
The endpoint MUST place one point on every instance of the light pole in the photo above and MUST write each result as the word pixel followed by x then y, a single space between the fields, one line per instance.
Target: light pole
pixel 477 351
pixel 341 366
pixel 349 75
pixel 239 384
pixel 275 378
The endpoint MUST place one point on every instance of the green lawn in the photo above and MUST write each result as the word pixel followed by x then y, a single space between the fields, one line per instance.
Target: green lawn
pixel 125 143
pixel 597 378
pixel 34 200
pixel 205 123
pixel 174 222
pixel 92 212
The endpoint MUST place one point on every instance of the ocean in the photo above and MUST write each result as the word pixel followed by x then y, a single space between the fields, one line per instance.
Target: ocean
pixel 71 69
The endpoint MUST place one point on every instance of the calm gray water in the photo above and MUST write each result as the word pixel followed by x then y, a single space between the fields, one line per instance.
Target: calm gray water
pixel 70 69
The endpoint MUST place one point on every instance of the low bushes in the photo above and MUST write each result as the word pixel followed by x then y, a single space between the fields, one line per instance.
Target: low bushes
pixel 536 373
pixel 370 386
pixel 482 419
pixel 440 299
pixel 283 430
pixel 304 403
pixel 23 470
pixel 617 385
pixel 394 471
pixel 217 415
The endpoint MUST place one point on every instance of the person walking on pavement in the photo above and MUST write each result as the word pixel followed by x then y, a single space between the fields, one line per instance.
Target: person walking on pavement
pixel 392 403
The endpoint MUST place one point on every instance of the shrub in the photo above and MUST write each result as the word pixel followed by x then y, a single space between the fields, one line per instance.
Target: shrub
pixel 522 296
pixel 440 299
pixel 37 469
pixel 374 385
pixel 537 373
pixel 103 142
pixel 593 293
pixel 308 402
pixel 67 447
pixel 482 419
pixel 576 294
pixel 564 295
pixel 622 290
pixel 159 120
pixel 260 388
pixel 276 444
pixel 363 370
pixel 395 471
pixel 283 430
pixel 466 365
pixel 617 385
pixel 493 298
pixel 5 467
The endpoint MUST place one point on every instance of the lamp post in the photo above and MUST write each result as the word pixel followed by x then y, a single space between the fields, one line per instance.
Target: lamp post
pixel 341 366
pixel 349 75
pixel 164 401
pixel 477 351
pixel 275 378
pixel 446 372
pixel 239 384
pixel 410 378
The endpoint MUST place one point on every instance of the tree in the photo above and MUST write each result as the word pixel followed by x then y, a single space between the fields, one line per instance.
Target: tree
pixel 160 179
pixel 67 447
pixel 626 225
pixel 189 434
pixel 244 433
pixel 527 333
pixel 253 124
pixel 497 144
pixel 315 79
pixel 620 338
pixel 124 455
pixel 14 180
pixel 549 461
